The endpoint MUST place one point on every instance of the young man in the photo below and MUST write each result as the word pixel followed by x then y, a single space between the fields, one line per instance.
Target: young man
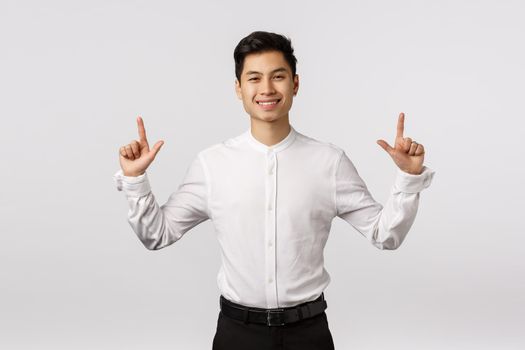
pixel 272 193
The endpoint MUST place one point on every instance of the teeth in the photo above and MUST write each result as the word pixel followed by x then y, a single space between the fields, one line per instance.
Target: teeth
pixel 267 103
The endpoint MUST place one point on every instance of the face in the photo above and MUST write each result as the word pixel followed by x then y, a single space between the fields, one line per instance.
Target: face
pixel 267 87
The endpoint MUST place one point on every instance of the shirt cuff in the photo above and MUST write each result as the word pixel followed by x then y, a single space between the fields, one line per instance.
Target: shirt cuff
pixel 133 186
pixel 410 183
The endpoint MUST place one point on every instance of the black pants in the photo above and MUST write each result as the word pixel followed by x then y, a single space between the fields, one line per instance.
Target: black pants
pixel 307 334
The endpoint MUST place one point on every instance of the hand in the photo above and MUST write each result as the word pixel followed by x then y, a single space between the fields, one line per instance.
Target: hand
pixel 407 154
pixel 136 156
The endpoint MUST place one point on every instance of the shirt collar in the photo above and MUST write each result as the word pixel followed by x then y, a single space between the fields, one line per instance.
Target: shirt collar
pixel 281 145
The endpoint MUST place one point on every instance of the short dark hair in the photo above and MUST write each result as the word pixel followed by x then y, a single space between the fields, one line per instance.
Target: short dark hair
pixel 261 41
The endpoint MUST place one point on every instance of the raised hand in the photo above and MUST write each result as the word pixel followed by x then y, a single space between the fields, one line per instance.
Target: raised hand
pixel 407 154
pixel 136 156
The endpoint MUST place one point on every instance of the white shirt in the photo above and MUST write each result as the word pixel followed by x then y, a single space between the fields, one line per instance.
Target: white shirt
pixel 272 208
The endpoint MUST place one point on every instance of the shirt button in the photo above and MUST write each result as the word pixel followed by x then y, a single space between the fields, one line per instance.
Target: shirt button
pixel 270 244
pixel 270 280
pixel 270 171
pixel 269 207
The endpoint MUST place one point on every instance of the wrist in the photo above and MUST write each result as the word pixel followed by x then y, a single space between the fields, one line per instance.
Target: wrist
pixel 132 174
pixel 412 171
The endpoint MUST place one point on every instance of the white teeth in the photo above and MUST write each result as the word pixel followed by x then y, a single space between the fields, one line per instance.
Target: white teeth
pixel 267 103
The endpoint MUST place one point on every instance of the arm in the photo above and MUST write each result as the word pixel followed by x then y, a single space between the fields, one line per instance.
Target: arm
pixel 160 226
pixel 384 227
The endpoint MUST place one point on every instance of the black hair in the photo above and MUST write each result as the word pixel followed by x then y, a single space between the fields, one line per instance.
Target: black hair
pixel 261 41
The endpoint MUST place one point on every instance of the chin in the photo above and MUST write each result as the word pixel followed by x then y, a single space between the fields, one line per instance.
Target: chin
pixel 268 118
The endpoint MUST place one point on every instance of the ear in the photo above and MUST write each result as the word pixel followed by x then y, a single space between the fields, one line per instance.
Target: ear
pixel 238 89
pixel 295 84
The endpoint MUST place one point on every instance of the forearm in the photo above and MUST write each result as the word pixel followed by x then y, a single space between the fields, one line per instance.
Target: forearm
pixel 146 217
pixel 149 223
pixel 394 221
pixel 399 212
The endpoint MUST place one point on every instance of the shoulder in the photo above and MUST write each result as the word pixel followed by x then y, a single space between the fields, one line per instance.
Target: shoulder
pixel 222 147
pixel 319 145
pixel 337 156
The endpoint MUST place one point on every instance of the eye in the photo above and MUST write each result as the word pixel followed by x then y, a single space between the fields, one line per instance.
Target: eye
pixel 279 76
pixel 252 79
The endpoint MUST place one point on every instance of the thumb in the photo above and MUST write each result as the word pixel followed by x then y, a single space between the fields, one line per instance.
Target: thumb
pixel 157 147
pixel 384 145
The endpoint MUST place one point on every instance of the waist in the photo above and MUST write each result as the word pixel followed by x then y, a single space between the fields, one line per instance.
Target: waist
pixel 244 306
pixel 274 316
pixel 249 289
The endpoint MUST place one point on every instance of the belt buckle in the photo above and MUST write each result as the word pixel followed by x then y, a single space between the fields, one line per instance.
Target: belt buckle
pixel 270 319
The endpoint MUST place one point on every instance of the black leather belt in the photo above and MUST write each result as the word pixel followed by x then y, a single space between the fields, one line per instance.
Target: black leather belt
pixel 273 317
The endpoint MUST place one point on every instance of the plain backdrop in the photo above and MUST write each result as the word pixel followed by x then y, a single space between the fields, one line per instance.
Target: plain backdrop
pixel 74 75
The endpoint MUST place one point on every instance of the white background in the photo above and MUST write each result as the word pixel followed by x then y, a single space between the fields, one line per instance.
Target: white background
pixel 74 75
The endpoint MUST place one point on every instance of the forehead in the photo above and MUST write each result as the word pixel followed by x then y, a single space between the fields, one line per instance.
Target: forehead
pixel 265 62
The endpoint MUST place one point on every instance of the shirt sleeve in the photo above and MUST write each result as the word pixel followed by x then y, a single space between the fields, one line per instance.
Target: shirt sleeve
pixel 158 227
pixel 384 227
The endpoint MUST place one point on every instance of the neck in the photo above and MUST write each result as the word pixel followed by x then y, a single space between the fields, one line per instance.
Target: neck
pixel 270 133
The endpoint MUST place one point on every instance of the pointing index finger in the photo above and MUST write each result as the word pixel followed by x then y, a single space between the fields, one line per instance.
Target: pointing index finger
pixel 142 131
pixel 400 125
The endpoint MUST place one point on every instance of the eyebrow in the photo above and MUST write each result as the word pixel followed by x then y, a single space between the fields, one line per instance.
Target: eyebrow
pixel 280 69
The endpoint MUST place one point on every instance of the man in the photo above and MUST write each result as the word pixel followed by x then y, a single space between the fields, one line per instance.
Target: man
pixel 272 193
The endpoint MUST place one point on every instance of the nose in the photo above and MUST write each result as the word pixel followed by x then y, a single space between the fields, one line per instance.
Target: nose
pixel 267 87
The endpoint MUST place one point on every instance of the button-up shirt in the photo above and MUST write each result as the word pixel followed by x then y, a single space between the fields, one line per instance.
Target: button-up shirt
pixel 272 208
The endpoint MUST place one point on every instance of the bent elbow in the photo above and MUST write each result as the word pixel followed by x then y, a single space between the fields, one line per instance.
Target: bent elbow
pixel 150 242
pixel 391 242
pixel 386 245
pixel 389 246
pixel 152 245
pixel 154 237
pixel 160 239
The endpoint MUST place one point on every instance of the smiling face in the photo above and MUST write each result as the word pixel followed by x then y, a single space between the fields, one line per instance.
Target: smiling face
pixel 267 87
